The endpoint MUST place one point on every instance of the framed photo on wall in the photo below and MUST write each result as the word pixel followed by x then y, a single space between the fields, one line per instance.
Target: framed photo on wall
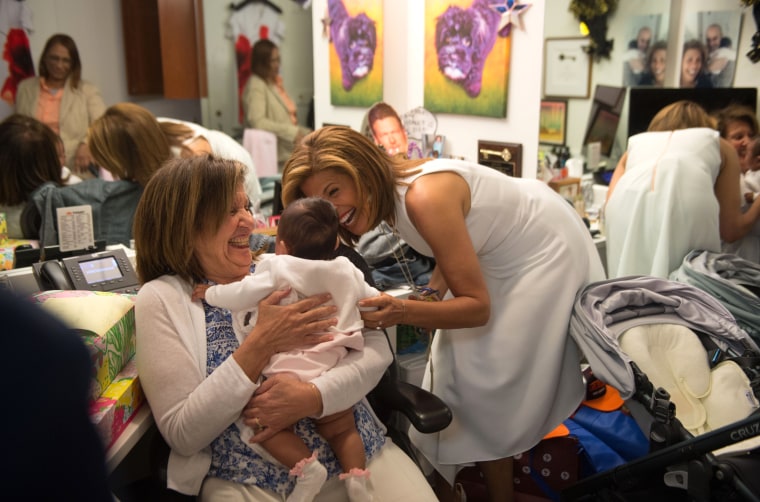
pixel 567 68
pixel 552 122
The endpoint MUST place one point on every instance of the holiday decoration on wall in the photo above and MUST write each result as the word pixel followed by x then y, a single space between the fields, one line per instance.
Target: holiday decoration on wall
pixel 466 58
pixel 16 63
pixel 593 15
pixel 510 12
pixel 356 57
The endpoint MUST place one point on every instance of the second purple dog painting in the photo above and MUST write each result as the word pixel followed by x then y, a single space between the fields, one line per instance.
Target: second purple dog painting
pixel 466 60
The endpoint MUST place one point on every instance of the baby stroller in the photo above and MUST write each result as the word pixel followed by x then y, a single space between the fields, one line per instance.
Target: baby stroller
pixel 700 408
pixel 734 281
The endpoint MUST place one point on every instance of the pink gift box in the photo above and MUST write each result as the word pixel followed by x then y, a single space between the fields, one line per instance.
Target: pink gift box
pixel 121 400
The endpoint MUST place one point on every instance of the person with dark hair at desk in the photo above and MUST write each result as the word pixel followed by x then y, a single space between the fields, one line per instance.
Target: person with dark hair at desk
pixel 29 159
pixel 51 450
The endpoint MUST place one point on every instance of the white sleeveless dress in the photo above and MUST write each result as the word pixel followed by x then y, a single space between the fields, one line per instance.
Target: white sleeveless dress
pixel 664 205
pixel 512 381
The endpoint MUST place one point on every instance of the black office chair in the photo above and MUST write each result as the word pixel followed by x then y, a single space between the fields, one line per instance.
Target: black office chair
pixel 426 412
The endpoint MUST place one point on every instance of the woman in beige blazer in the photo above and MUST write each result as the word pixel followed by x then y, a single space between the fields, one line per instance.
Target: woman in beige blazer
pixel 61 70
pixel 267 105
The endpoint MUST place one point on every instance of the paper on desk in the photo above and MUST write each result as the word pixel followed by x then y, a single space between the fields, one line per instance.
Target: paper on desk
pixel 75 228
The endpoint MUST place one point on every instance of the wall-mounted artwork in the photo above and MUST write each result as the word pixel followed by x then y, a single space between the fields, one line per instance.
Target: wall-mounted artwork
pixel 553 122
pixel 645 56
pixel 710 48
pixel 466 60
pixel 356 54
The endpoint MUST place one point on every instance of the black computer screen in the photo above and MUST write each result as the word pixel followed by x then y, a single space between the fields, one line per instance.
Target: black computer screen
pixel 645 102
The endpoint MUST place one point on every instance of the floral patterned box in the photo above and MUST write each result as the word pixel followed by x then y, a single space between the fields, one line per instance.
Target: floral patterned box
pixel 116 407
pixel 7 249
pixel 106 322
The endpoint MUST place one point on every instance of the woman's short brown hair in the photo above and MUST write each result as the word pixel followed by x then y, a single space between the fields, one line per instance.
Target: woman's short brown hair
pixel 128 141
pixel 345 151
pixel 261 58
pixel 736 113
pixel 186 199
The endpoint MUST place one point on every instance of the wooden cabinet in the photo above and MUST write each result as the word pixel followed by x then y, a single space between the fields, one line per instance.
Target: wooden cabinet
pixel 164 47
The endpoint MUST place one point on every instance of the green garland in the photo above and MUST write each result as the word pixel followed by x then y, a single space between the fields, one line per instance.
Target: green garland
pixel 594 14
pixel 589 9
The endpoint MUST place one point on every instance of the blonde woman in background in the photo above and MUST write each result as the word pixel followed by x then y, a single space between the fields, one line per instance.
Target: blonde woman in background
pixel 132 144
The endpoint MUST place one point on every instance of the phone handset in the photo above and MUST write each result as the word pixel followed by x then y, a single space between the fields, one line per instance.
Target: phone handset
pixel 53 276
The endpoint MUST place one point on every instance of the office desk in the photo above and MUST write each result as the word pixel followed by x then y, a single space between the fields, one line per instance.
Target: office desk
pixel 135 430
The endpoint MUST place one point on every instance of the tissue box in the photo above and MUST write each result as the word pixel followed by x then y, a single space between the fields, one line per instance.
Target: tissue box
pixel 116 407
pixel 106 322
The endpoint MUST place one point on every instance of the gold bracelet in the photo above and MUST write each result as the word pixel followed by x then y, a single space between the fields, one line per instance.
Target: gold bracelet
pixel 318 395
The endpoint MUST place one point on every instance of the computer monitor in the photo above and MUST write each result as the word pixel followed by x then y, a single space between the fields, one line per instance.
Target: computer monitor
pixel 604 118
pixel 602 129
pixel 645 102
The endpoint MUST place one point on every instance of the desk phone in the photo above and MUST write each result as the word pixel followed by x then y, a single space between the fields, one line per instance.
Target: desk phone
pixel 102 271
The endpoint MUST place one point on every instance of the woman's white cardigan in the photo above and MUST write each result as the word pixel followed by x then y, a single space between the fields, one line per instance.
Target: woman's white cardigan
pixel 190 408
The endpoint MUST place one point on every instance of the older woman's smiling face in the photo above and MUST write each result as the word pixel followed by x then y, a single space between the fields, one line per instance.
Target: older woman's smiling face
pixel 225 255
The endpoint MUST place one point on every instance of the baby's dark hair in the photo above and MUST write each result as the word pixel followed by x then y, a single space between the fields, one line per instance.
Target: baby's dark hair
pixel 309 228
pixel 754 146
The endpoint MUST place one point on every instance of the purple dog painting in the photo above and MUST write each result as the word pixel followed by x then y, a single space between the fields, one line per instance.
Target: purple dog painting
pixel 355 41
pixel 463 40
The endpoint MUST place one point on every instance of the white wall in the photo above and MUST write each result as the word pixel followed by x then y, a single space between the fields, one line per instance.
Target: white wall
pixel 403 82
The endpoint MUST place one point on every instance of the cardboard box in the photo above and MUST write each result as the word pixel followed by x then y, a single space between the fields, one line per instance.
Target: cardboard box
pixel 567 187
pixel 106 322
pixel 121 400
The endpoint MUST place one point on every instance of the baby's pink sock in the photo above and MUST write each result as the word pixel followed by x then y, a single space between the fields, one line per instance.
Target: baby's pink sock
pixel 357 485
pixel 310 476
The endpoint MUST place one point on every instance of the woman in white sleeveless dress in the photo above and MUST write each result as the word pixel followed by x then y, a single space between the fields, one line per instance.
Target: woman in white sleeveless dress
pixel 676 189
pixel 511 255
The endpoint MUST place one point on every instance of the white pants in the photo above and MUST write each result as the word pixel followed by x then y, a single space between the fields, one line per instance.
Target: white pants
pixel 394 478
